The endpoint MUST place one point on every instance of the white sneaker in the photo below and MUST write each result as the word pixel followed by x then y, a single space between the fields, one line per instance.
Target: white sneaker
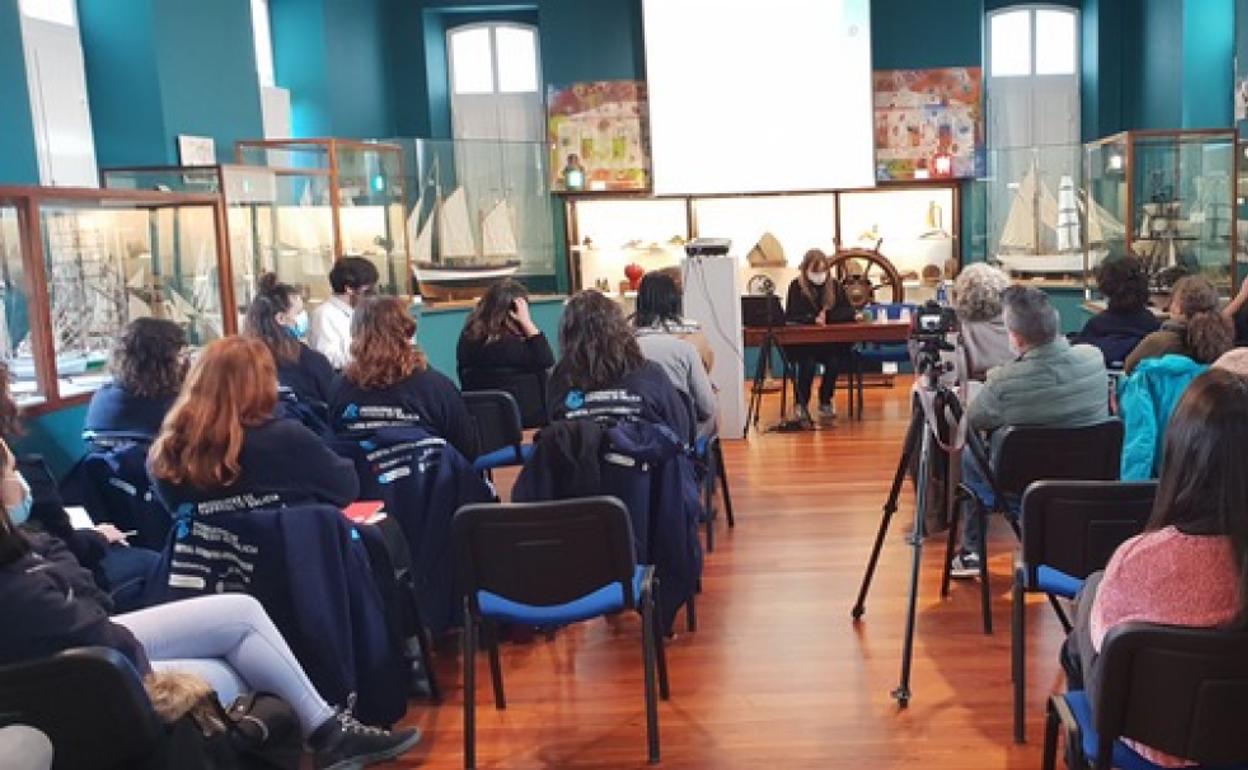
pixel 965 566
pixel 827 411
pixel 802 413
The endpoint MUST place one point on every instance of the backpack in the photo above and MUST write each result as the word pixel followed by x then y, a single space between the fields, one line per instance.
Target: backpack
pixel 257 732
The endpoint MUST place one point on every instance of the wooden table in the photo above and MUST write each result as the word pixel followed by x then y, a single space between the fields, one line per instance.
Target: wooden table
pixel 851 333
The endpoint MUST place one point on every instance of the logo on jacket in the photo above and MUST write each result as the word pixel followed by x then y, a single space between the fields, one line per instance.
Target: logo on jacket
pixel 350 412
pixel 574 400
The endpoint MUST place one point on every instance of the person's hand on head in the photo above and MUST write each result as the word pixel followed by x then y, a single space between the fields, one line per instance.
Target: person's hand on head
pixel 520 314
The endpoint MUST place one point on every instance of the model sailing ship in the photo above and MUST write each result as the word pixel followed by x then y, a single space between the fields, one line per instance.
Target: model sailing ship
pixel 1035 212
pixel 460 269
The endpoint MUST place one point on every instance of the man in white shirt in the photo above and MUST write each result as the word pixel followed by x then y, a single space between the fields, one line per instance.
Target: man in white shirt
pixel 329 328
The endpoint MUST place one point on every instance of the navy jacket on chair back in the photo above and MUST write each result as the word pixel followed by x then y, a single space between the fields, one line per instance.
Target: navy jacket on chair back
pixel 423 481
pixel 111 482
pixel 646 466
pixel 308 568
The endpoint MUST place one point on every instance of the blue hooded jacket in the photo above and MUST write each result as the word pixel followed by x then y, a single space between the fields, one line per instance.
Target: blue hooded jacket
pixel 1146 400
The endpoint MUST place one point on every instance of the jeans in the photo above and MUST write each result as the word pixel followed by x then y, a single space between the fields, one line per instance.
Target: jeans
pixel 25 748
pixel 126 570
pixel 229 640
pixel 806 360
pixel 973 478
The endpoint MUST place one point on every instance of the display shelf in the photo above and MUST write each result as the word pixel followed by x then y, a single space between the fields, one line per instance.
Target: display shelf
pixel 76 265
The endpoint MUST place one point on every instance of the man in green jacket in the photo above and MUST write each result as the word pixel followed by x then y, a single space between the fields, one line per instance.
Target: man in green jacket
pixel 1051 384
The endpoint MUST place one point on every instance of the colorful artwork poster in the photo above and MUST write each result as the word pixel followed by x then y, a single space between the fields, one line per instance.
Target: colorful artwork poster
pixel 921 115
pixel 599 127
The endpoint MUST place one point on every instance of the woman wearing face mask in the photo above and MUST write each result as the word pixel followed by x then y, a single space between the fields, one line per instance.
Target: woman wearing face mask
pixel 277 318
pixel 815 297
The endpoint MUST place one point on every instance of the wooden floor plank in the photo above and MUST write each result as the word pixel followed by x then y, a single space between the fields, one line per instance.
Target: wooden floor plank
pixel 777 674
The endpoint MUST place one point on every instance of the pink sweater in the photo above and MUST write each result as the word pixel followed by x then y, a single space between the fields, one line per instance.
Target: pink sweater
pixel 1171 578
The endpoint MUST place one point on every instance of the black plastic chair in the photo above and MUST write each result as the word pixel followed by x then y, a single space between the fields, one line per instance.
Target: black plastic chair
pixel 500 432
pixel 90 703
pixel 1070 529
pixel 547 565
pixel 1183 691
pixel 1021 455
pixel 710 452
pixel 527 388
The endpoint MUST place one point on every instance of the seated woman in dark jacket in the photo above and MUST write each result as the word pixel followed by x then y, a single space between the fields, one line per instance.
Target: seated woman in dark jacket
pixel 500 347
pixel 603 374
pixel 389 383
pixel 148 368
pixel 1196 328
pixel 277 318
pixel 221 442
pixel 1119 328
pixel 815 297
pixel 49 604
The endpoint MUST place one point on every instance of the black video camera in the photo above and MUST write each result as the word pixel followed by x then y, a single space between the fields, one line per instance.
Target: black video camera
pixel 932 322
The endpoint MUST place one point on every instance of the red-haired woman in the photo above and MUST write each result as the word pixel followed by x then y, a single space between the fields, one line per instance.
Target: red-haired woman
pixel 389 383
pixel 221 438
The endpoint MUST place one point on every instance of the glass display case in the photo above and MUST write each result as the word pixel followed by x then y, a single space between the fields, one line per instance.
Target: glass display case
pixel 1167 197
pixel 477 212
pixel 334 197
pixel 78 264
pixel 915 226
pixel 1037 225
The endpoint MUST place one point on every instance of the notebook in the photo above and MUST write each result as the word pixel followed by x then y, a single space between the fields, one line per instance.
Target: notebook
pixel 365 511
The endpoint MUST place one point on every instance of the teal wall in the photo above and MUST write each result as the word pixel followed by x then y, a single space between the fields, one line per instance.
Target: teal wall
pixel 160 68
pixel 910 35
pixel 18 162
pixel 1208 63
pixel 57 436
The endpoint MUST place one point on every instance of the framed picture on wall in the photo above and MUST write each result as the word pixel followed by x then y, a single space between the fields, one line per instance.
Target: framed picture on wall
pixel 597 136
pixel 196 150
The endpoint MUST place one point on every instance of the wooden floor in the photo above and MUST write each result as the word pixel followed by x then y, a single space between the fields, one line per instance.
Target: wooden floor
pixel 777 675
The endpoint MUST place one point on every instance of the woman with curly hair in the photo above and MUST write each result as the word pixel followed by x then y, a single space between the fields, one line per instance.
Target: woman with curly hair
pixel 983 341
pixel 389 383
pixel 222 440
pixel 148 366
pixel 1196 329
pixel 1119 328
pixel 603 373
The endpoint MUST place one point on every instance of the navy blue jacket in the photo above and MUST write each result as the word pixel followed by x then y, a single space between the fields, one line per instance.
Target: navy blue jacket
pixel 423 482
pixel 114 409
pixel 282 463
pixel 646 394
pixel 426 399
pixel 308 568
pixel 111 482
pixel 311 378
pixel 1117 334
pixel 646 467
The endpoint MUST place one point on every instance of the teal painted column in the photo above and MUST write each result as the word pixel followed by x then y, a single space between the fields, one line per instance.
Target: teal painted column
pixel 1208 63
pixel 19 163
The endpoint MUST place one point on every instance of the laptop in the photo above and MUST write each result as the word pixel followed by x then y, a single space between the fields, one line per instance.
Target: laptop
pixel 761 311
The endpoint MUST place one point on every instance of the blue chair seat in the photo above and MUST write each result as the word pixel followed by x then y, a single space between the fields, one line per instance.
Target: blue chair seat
pixel 502 457
pixel 1056 582
pixel 885 353
pixel 1125 758
pixel 605 600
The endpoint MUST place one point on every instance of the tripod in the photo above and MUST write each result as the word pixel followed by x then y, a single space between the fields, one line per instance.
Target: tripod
pixel 920 436
pixel 760 373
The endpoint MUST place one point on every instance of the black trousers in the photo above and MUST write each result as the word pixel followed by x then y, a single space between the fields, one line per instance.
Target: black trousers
pixel 806 360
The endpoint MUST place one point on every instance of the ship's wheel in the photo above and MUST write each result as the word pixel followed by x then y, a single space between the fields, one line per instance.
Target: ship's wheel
pixel 868 276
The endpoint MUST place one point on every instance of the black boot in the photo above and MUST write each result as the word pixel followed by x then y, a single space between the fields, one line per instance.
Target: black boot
pixel 343 743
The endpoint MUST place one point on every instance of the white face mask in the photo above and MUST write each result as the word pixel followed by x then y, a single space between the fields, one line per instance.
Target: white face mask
pixel 817 279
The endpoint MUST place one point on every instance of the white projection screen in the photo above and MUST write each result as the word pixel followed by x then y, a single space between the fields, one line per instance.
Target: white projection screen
pixel 759 95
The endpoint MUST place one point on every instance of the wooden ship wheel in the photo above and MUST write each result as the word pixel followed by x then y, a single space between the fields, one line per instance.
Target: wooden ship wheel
pixel 868 276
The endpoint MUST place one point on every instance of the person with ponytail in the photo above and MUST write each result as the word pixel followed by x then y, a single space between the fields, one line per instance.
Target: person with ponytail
pixel 1196 328
pixel 277 318
pixel 816 297
pixel 221 439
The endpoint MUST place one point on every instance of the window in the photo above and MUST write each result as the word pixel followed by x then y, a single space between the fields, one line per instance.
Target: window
pixel 1055 43
pixel 55 11
pixel 494 58
pixel 261 31
pixel 1010 33
pixel 1032 80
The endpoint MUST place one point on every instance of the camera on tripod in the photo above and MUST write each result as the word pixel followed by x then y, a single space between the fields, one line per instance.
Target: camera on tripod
pixel 932 322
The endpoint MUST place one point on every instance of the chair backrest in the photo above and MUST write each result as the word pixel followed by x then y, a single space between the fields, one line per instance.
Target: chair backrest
pixel 105 722
pixel 497 418
pixel 120 493
pixel 545 553
pixel 1075 526
pixel 527 388
pixel 1023 454
pixel 1183 691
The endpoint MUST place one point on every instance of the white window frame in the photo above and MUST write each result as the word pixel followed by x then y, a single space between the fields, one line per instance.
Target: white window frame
pixel 492 27
pixel 1032 77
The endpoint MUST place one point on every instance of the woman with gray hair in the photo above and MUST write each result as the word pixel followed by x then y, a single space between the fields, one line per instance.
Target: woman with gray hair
pixel 983 341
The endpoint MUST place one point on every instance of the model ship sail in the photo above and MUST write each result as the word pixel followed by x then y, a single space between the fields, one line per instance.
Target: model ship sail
pixel 1034 207
pixel 455 228
pixel 498 238
pixel 1037 218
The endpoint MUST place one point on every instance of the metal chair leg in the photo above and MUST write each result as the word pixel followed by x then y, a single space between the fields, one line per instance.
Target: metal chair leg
pixel 426 655
pixel 1018 668
pixel 470 688
pixel 985 591
pixel 490 629
pixel 648 653
pixel 955 516
pixel 1062 617
pixel 691 613
pixel 1050 738
pixel 723 481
